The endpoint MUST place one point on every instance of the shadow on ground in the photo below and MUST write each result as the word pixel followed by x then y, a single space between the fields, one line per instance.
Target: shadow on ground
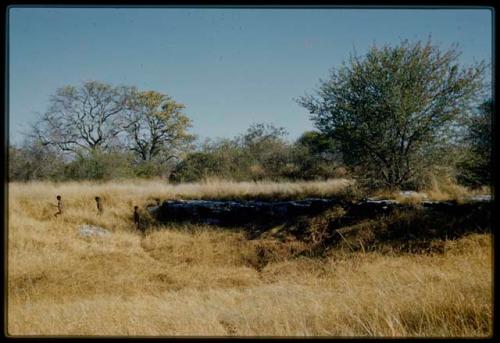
pixel 323 225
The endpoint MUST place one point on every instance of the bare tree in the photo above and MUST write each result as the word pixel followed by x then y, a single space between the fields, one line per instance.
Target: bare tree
pixel 83 118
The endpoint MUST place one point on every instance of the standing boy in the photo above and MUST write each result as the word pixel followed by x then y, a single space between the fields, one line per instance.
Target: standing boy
pixel 60 206
pixel 136 217
pixel 99 205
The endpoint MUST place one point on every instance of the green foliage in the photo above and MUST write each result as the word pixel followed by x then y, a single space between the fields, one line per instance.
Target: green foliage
pixel 474 168
pixel 156 127
pixel 197 166
pixel 316 156
pixel 262 153
pixel 266 150
pixel 99 165
pixel 220 159
pixel 34 161
pixel 255 155
pixel 317 143
pixel 393 109
pixel 149 169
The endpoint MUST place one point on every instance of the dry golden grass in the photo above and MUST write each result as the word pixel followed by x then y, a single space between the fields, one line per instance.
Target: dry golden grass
pixel 203 281
pixel 142 190
pixel 443 189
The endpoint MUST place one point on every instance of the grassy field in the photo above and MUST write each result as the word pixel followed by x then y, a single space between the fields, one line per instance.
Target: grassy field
pixel 202 281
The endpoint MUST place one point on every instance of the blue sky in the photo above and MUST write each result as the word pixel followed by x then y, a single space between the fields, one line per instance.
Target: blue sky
pixel 230 67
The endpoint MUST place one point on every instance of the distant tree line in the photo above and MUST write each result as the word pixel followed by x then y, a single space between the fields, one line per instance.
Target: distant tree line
pixel 262 153
pixel 388 118
pixel 97 131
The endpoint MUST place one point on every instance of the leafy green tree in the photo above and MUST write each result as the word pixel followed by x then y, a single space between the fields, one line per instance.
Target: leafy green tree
pixel 475 166
pixel 316 156
pixel 268 151
pixel 389 109
pixel 157 127
pixel 319 144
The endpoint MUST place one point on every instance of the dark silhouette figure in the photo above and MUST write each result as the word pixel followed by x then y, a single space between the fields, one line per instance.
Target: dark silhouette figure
pixel 157 202
pixel 136 217
pixel 99 205
pixel 60 206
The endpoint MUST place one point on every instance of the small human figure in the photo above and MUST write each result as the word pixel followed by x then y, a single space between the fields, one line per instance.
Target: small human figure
pixel 136 217
pixel 99 205
pixel 60 206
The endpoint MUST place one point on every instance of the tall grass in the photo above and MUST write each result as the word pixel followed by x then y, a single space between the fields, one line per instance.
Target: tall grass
pixel 141 190
pixel 204 281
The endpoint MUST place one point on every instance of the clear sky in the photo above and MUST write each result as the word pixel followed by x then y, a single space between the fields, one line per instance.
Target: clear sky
pixel 230 67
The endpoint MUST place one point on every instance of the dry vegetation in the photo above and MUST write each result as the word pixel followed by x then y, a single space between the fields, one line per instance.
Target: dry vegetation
pixel 200 281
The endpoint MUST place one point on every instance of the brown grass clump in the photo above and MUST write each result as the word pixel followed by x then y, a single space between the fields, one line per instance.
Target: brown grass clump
pixel 206 281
